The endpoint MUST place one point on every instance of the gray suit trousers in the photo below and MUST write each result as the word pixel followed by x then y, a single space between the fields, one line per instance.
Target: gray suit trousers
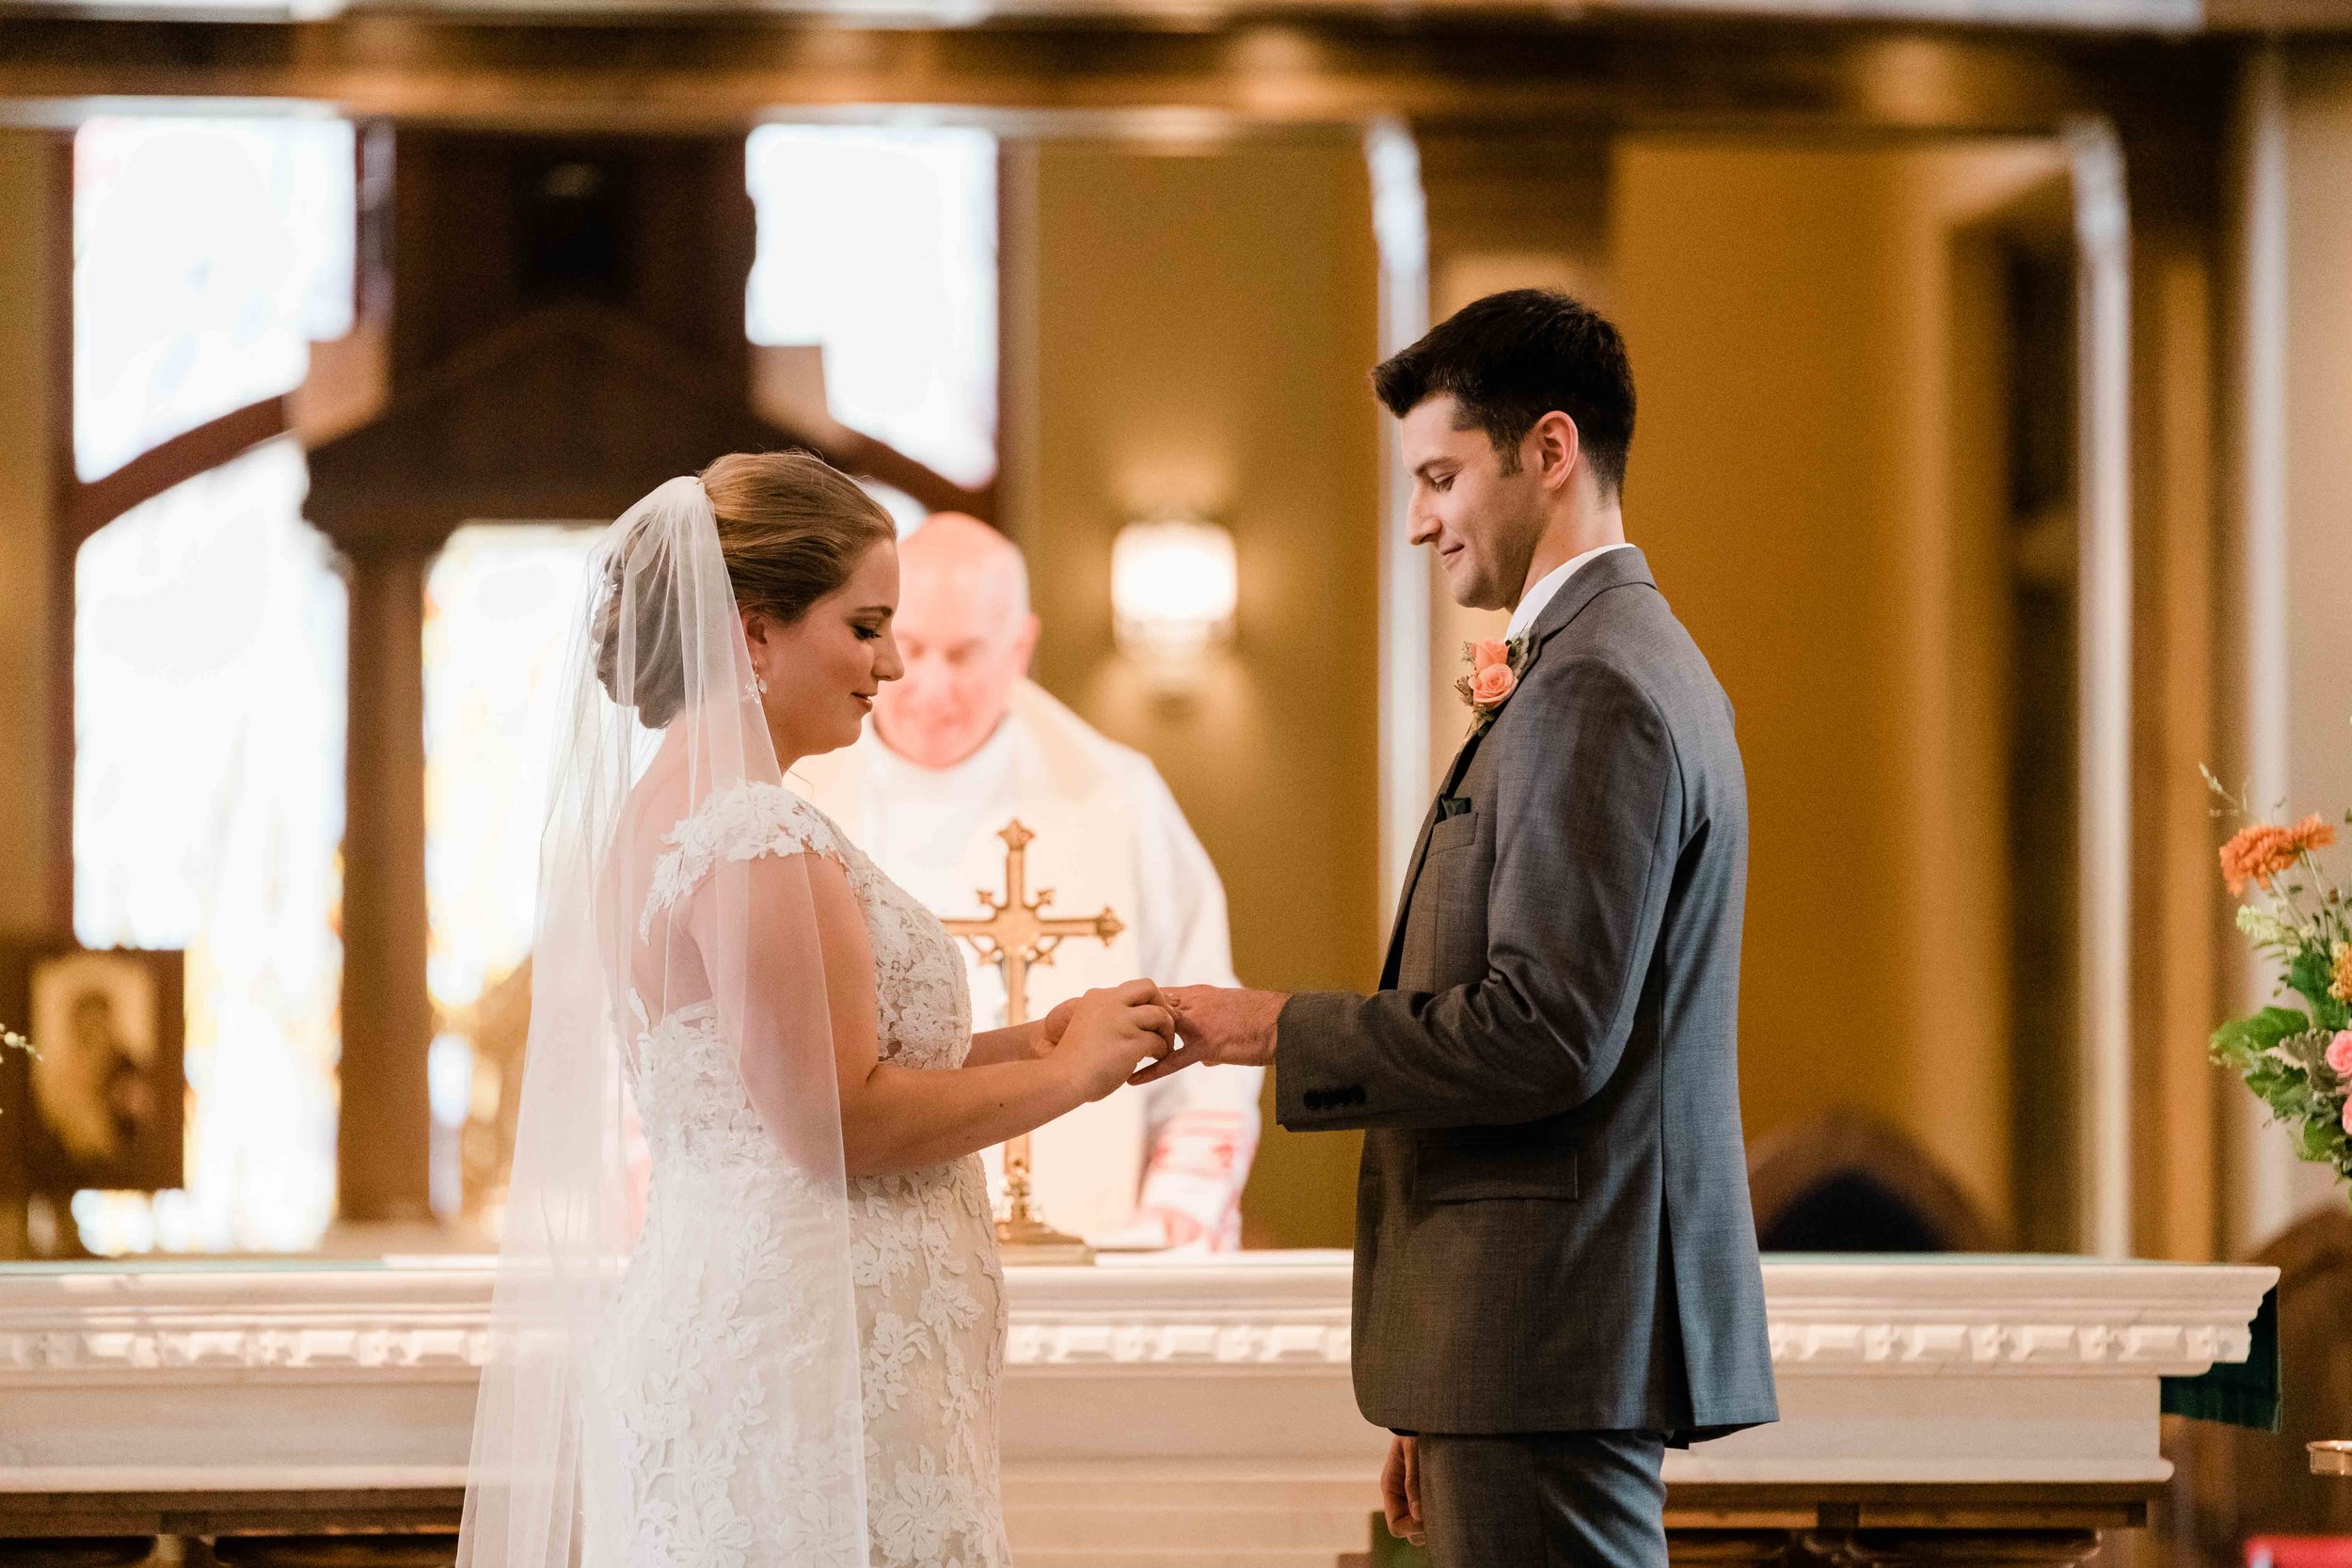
pixel 1564 1499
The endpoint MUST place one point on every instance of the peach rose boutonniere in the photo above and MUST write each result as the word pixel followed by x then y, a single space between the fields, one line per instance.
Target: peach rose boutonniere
pixel 1494 674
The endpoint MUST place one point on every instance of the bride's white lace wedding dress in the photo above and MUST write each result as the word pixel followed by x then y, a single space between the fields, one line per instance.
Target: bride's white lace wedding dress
pixel 710 1476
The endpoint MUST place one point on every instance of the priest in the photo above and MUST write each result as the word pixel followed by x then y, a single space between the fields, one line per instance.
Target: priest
pixel 961 745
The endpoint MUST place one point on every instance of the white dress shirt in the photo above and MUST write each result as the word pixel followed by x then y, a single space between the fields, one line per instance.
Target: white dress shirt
pixel 1532 603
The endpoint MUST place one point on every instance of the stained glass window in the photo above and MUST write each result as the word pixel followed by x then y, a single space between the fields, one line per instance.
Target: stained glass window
pixel 880 245
pixel 208 255
pixel 208 651
pixel 208 808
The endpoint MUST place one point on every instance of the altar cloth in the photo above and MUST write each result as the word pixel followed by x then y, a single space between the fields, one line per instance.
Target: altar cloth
pixel 1207 1400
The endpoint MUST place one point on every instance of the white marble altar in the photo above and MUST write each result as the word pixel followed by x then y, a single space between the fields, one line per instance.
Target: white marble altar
pixel 1156 1413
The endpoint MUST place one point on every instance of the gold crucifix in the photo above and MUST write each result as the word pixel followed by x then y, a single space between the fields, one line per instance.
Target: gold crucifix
pixel 1014 935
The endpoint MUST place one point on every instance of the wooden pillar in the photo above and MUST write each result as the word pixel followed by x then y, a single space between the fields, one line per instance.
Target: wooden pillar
pixel 36 549
pixel 385 1122
pixel 36 560
pixel 2179 988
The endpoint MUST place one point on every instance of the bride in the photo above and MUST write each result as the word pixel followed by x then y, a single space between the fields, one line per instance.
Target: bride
pixel 791 1355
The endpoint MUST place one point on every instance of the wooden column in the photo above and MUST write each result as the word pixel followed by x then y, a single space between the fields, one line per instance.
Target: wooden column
pixel 36 560
pixel 386 1119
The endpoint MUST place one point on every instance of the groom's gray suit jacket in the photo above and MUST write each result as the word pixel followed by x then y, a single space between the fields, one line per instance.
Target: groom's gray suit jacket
pixel 1552 1222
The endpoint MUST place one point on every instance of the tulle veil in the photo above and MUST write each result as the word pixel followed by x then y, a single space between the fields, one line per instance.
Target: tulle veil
pixel 662 729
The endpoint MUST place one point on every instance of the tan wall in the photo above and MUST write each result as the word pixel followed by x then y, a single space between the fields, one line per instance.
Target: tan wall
pixel 2319 431
pixel 1797 481
pixel 26 480
pixel 1506 211
pixel 1193 331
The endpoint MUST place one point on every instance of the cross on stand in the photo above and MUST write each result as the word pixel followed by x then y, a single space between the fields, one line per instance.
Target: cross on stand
pixel 1015 934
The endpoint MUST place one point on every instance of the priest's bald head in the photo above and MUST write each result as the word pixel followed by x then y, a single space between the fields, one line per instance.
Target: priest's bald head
pixel 965 631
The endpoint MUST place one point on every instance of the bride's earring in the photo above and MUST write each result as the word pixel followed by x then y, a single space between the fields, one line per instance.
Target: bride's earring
pixel 759 684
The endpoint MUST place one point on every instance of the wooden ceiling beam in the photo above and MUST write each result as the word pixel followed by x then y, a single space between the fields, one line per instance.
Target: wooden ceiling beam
pixel 2167 17
pixel 98 501
pixel 725 72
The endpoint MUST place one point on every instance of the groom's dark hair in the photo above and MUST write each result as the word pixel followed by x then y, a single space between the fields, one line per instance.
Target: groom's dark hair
pixel 1509 360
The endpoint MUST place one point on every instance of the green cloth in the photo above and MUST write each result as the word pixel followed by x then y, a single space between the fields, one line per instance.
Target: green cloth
pixel 1389 1552
pixel 2237 1393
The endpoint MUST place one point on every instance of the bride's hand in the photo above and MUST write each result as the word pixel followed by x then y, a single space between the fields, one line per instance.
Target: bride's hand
pixel 1106 1033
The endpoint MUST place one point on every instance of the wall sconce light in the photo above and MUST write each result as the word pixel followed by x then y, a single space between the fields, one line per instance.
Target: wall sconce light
pixel 1174 583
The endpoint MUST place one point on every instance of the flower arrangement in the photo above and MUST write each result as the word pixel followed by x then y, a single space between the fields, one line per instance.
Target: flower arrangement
pixel 1494 674
pixel 2296 1060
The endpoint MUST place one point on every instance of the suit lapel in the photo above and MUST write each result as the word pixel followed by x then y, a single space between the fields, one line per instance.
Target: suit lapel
pixel 1404 901
pixel 1421 853
pixel 1615 569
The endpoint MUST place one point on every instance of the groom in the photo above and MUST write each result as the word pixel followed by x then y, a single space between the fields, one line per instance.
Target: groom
pixel 1555 1264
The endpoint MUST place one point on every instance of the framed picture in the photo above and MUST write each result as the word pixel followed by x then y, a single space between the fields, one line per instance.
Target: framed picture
pixel 103 1099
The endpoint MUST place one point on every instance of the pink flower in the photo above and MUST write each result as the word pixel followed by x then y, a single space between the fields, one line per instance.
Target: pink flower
pixel 1491 678
pixel 2340 1054
pixel 2348 1118
pixel 1491 683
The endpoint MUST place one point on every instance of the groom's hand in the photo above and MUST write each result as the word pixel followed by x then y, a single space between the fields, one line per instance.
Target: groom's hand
pixel 1219 1026
pixel 1400 1490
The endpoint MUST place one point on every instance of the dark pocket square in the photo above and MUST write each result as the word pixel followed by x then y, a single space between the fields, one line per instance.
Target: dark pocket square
pixel 1452 806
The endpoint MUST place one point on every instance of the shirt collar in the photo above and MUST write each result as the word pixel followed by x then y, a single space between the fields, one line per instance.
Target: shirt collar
pixel 1547 587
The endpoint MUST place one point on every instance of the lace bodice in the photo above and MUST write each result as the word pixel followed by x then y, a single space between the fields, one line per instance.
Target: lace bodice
pixel 683 1075
pixel 713 1474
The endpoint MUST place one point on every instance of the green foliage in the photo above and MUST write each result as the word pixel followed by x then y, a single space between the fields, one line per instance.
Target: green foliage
pixel 2323 1141
pixel 2282 1085
pixel 2310 973
pixel 2309 1051
pixel 2283 1054
pixel 2239 1041
pixel 2299 919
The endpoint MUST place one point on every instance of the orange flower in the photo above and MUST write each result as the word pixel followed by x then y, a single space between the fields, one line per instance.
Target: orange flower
pixel 1491 678
pixel 1492 683
pixel 2260 850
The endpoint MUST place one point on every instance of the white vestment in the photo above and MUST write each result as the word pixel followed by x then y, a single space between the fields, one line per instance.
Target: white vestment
pixel 1108 834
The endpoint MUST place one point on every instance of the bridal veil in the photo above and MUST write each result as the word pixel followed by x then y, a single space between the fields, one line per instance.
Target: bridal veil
pixel 663 727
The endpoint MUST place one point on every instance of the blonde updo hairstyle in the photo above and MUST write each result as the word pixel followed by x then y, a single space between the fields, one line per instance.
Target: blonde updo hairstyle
pixel 792 530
